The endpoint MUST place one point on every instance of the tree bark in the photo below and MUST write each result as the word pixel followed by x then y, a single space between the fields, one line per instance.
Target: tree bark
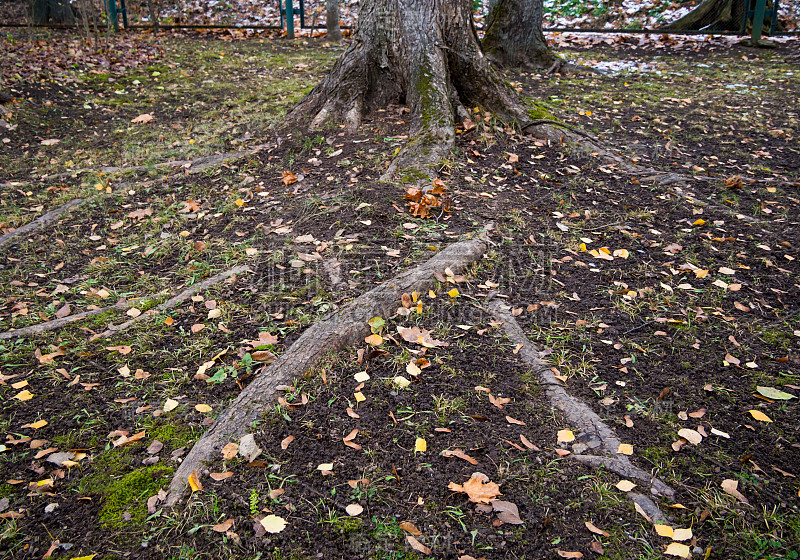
pixel 712 15
pixel 424 53
pixel 57 11
pixel 514 36
pixel 332 21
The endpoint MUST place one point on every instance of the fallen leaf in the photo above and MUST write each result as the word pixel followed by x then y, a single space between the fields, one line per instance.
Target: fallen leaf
pixel 418 546
pixel 625 449
pixel 730 486
pixel 420 446
pixel 354 510
pixel 273 524
pixel 154 447
pixel 230 450
pixel 286 441
pixel 248 447
pixel 170 404
pixel 596 530
pixel 478 488
pixel 515 421
pixel 565 554
pixel 222 527
pixel 760 416
pixel 625 485
pixel 774 394
pixel 144 118
pixel 678 549
pixel 410 528
pixel 220 476
pixel 507 512
pixel 663 530
pixel 202 408
pixel 565 436
pixel 691 436
pixel 194 482
pixel 460 454
pixel 682 534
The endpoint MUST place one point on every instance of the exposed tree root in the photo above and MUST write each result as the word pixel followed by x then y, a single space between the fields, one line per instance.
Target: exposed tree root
pixel 594 434
pixel 344 327
pixel 42 222
pixel 58 323
pixel 190 165
pixel 172 302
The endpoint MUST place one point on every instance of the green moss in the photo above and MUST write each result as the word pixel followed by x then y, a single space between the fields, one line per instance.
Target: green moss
pixel 171 434
pixel 129 495
pixel 347 525
pixel 537 111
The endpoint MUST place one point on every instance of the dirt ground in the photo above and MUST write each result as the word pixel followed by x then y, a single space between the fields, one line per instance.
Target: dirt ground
pixel 666 307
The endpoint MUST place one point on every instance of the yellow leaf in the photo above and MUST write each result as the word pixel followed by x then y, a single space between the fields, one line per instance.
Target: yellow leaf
pixel 431 294
pixel 359 397
pixel 239 202
pixel 325 467
pixel 623 253
pixel 401 382
pixel 625 449
pixel 89 557
pixel 664 530
pixel 194 482
pixel 605 250
pixel 699 222
pixel 678 549
pixel 625 485
pixel 273 524
pixel 420 445
pixel 582 247
pixel 413 369
pixel 36 425
pixel 760 416
pixel 19 384
pixel 169 321
pixel 682 534
pixel 361 376
pixel 374 340
pixel 565 436
pixel 24 395
pixel 453 293
pixel 203 408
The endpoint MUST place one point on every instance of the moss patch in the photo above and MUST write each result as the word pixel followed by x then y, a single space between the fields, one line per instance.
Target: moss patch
pixel 129 495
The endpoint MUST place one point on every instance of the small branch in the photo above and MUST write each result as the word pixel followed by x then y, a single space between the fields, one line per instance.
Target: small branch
pixel 346 326
pixel 57 323
pixel 42 222
pixel 172 302
pixel 539 122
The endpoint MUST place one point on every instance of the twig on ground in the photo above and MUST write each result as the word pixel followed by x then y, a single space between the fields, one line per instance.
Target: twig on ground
pixel 40 223
pixel 172 302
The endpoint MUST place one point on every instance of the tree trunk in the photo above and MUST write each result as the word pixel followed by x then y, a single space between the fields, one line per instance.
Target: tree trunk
pixel 424 53
pixel 514 36
pixel 332 21
pixel 712 15
pixel 52 11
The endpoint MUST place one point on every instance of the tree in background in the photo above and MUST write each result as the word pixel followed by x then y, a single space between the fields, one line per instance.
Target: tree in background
pixel 514 36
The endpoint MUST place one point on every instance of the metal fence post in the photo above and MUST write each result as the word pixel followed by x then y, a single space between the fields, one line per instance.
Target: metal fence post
pixel 758 21
pixel 290 19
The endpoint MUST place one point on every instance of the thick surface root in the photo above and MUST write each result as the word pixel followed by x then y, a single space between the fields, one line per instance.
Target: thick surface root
pixel 594 434
pixel 344 327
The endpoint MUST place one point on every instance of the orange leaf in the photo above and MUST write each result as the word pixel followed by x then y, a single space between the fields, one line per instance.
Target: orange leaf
pixel 479 489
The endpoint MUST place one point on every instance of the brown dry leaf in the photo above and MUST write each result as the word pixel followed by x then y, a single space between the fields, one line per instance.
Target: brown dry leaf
pixel 197 327
pixel 515 421
pixel 597 548
pixel 352 413
pixel 142 119
pixel 507 512
pixel 222 527
pixel 63 311
pixel 692 436
pixel 276 493
pixel 286 441
pixel 498 401
pixel 527 443
pixel 479 489
pixel 154 447
pixel 565 554
pixel 288 178
pixel 419 336
pixel 730 486
pixel 124 349
pixel 595 529
pixel 230 450
pixel 409 527
pixel 732 360
pixel 698 414
pixel 217 476
pixel 460 454
pixel 418 546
